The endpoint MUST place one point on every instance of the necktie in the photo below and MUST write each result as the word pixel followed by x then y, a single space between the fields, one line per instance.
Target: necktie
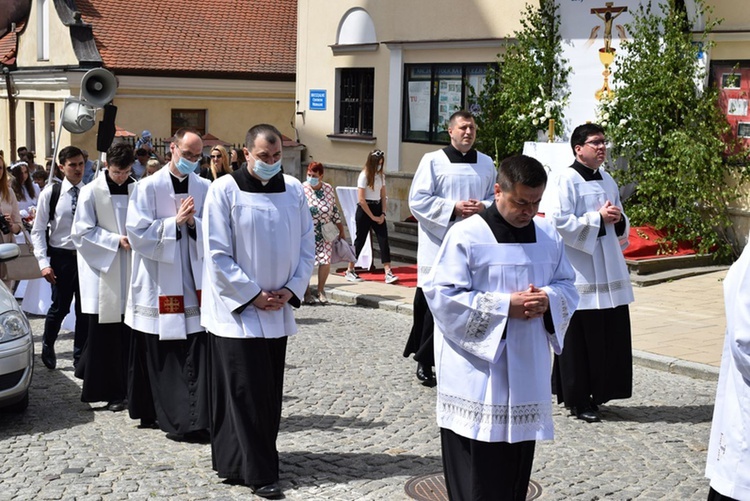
pixel 74 198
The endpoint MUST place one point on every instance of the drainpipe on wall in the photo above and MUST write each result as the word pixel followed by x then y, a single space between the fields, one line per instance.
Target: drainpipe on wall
pixel 11 113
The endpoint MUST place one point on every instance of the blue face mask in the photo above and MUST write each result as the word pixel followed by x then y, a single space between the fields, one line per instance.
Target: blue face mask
pixel 313 181
pixel 186 166
pixel 265 171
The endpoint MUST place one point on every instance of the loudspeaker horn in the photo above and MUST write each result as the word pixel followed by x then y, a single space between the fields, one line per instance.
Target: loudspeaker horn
pixel 77 116
pixel 98 87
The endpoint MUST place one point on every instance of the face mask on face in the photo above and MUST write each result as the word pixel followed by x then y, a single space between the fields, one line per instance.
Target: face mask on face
pixel 265 171
pixel 185 166
pixel 312 180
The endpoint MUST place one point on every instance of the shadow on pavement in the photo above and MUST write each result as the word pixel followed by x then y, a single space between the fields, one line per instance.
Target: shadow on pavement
pixel 293 424
pixel 340 468
pixel 693 414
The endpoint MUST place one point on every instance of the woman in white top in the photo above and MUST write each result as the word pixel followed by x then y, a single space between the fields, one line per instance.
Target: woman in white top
pixel 371 207
pixel 26 191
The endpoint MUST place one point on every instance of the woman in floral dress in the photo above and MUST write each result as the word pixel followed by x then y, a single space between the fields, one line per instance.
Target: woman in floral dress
pixel 322 203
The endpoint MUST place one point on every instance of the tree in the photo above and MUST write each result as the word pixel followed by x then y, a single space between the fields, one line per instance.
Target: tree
pixel 671 131
pixel 528 88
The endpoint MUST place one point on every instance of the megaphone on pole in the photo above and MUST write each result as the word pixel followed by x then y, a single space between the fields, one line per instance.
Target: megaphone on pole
pixel 98 88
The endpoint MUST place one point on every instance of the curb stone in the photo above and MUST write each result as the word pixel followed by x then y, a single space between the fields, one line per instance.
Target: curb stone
pixel 643 358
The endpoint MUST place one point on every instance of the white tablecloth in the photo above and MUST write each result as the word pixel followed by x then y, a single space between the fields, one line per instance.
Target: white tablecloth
pixel 348 200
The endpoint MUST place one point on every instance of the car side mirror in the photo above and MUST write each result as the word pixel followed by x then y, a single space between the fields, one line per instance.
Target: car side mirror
pixel 9 252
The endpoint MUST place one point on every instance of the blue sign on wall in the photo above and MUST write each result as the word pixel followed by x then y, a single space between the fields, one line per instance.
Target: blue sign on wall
pixel 317 99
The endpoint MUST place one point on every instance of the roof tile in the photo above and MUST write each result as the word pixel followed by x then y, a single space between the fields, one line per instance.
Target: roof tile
pixel 250 37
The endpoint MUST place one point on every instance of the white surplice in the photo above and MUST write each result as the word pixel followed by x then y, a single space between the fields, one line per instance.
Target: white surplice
pixel 494 387
pixel 162 265
pixel 103 266
pixel 728 461
pixel 437 185
pixel 255 242
pixel 602 277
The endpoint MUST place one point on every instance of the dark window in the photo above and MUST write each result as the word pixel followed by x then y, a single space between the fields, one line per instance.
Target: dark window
pixel 432 93
pixel 356 93
pixel 189 118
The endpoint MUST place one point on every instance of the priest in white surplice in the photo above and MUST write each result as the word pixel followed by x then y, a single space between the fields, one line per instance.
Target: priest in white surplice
pixel 583 200
pixel 169 381
pixel 501 291
pixel 104 257
pixel 450 185
pixel 259 251
pixel 728 463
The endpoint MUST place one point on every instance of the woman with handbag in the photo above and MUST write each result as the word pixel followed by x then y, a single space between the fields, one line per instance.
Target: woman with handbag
pixel 371 206
pixel 327 224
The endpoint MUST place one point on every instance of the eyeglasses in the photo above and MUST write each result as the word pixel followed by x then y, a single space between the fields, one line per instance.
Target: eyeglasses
pixel 189 156
pixel 596 144
pixel 377 153
pixel 215 156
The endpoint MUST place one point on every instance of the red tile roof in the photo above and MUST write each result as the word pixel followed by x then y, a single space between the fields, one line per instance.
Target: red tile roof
pixel 230 38
pixel 9 45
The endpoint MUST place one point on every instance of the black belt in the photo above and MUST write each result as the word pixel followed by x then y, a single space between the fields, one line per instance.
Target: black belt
pixel 56 251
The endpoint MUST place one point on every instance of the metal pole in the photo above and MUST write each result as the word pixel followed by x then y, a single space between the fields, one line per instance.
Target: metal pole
pixel 57 143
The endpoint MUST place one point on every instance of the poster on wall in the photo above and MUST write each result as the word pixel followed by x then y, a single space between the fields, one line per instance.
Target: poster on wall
pixel 419 106
pixel 449 101
pixel 592 32
pixel 733 80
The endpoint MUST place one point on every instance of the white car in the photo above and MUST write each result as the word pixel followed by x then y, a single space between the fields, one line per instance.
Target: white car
pixel 16 346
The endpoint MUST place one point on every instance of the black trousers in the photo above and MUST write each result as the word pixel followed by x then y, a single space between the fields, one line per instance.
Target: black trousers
pixel 247 384
pixel 485 471
pixel 365 224
pixel 63 263
pixel 420 340
pixel 713 495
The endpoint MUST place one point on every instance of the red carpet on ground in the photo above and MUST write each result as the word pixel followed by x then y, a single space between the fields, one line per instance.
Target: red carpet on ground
pixel 407 275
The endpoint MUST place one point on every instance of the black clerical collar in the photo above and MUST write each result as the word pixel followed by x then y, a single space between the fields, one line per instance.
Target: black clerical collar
pixel 249 183
pixel 118 189
pixel 456 157
pixel 587 173
pixel 179 185
pixel 506 233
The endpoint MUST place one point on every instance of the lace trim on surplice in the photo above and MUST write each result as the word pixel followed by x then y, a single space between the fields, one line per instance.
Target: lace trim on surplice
pixel 615 286
pixel 479 319
pixel 535 415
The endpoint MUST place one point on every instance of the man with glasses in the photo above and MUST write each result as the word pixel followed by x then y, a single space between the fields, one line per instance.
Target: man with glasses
pixel 100 237
pixel 170 358
pixel 596 365
pixel 450 185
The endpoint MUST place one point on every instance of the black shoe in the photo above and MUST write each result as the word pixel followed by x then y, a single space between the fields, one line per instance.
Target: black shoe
pixel 589 415
pixel 269 491
pixel 117 406
pixel 49 359
pixel 148 424
pixel 426 376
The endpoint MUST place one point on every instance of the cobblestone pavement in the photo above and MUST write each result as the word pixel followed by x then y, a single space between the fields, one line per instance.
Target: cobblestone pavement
pixel 356 426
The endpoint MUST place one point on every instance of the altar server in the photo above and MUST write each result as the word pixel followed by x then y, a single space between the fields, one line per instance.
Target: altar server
pixel 728 462
pixel 100 237
pixel 163 309
pixel 449 186
pixel 584 202
pixel 501 291
pixel 259 252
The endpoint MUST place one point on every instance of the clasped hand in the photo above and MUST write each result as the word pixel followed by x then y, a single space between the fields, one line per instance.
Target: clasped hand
pixel 611 214
pixel 531 303
pixel 467 208
pixel 186 212
pixel 272 300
